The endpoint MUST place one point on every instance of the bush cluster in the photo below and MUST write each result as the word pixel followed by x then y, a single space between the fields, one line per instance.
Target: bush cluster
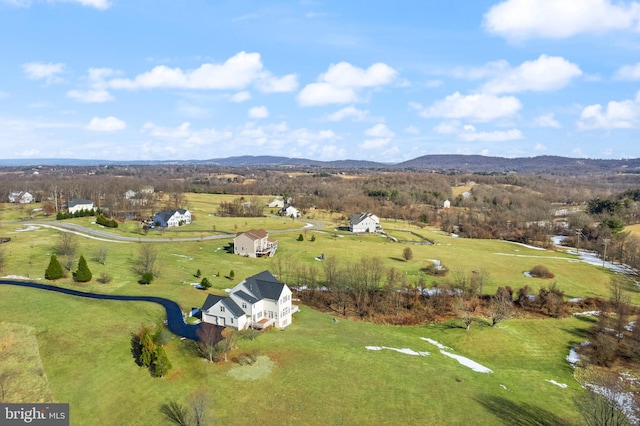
pixel 109 223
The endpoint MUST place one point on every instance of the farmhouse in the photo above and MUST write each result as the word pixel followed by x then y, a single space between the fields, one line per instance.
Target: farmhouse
pixel 290 211
pixel 277 202
pixel 171 218
pixel 20 197
pixel 364 222
pixel 78 204
pixel 259 301
pixel 254 243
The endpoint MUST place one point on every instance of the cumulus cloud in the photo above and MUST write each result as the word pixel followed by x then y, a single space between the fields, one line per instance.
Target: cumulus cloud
pixel 90 96
pixel 471 135
pixel 480 107
pixel 258 112
pixel 381 136
pixel 349 112
pixel 616 115
pixel 628 72
pixel 343 82
pixel 41 71
pixel 108 124
pixel 557 19
pixel 240 97
pixel 236 73
pixel 543 74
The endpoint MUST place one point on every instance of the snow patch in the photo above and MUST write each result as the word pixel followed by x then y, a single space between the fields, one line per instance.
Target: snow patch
pixel 503 387
pixel 434 343
pixel 406 351
pixel 182 255
pixel 19 277
pixel 553 382
pixel 467 362
pixel 586 314
pixel 623 400
pixel 28 228
pixel 573 357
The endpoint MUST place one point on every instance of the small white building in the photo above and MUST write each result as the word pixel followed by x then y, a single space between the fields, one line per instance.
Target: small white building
pixel 290 211
pixel 364 222
pixel 171 218
pixel 259 301
pixel 446 204
pixel 20 197
pixel 78 204
pixel 277 202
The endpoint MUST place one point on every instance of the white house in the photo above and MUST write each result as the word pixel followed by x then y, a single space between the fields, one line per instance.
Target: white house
pixel 171 218
pixel 290 211
pixel 254 243
pixel 277 202
pixel 259 301
pixel 20 197
pixel 364 222
pixel 78 204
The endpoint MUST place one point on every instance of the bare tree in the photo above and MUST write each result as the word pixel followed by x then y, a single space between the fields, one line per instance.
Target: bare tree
pixel 501 306
pixel 602 403
pixel 67 246
pixel 407 254
pixel 100 255
pixel 208 336
pixel 147 260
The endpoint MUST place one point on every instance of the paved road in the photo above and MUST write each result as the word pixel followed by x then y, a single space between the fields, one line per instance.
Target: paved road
pixel 111 237
pixel 175 323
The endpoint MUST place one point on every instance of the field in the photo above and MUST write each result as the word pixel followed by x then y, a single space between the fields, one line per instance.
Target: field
pixel 317 371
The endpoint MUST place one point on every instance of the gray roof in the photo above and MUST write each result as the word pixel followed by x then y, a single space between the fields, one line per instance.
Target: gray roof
pixel 356 218
pixel 227 301
pixel 244 296
pixel 264 286
pixel 78 201
pixel 166 215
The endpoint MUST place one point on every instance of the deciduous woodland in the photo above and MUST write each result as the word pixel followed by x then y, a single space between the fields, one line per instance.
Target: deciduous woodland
pixel 413 276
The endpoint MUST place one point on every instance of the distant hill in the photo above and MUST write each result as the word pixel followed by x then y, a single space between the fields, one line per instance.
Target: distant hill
pixel 438 163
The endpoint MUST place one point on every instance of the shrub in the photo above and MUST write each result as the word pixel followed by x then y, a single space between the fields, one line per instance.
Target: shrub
pixel 541 271
pixel 300 237
pixel 146 278
pixel 109 223
pixel 83 274
pixel 104 278
pixel 54 270
pixel 205 283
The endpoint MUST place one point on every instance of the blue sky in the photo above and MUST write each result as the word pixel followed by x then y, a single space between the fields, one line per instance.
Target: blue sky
pixel 320 79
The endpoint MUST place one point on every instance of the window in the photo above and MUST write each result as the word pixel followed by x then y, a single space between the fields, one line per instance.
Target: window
pixel 221 308
pixel 244 305
pixel 231 320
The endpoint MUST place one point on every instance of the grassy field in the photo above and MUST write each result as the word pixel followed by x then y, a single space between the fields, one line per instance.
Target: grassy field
pixel 317 371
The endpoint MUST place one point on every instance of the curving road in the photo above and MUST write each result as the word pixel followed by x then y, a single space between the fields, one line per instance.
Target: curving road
pixel 175 323
pixel 107 236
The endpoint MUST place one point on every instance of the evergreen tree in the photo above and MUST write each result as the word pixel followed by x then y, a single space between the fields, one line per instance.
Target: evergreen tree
pixel 198 273
pixel 300 237
pixel 161 364
pixel 83 274
pixel 232 274
pixel 147 348
pixel 54 270
pixel 205 283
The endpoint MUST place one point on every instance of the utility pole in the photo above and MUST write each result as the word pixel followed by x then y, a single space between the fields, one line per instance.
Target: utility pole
pixel 604 257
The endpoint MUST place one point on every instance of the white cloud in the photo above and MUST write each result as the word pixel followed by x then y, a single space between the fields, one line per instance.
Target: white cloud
pixel 188 136
pixel 41 71
pixel 617 115
pixel 342 83
pixel 90 96
pixel 374 143
pixel 349 112
pixel 471 135
pixel 547 120
pixel 628 72
pixel 379 131
pixel 98 4
pixel 527 19
pixel 269 84
pixel 413 130
pixel 543 74
pixel 481 107
pixel 236 72
pixel 108 124
pixel 240 97
pixel 258 112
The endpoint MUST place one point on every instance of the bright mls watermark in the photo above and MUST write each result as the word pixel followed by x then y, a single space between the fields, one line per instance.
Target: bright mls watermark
pixel 34 414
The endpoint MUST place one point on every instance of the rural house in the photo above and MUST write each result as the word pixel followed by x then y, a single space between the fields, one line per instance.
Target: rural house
pixel 290 211
pixel 171 218
pixel 259 301
pixel 78 204
pixel 364 222
pixel 254 243
pixel 20 197
pixel 277 202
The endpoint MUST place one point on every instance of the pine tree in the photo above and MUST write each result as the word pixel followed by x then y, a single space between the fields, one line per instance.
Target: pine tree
pixel 54 270
pixel 147 348
pixel 205 283
pixel 83 274
pixel 161 364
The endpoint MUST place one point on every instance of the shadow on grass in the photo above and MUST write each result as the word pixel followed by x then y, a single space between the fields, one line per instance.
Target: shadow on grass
pixel 397 259
pixel 520 414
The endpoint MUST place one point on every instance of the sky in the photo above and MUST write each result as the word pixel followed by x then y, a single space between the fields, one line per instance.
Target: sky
pixel 318 79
